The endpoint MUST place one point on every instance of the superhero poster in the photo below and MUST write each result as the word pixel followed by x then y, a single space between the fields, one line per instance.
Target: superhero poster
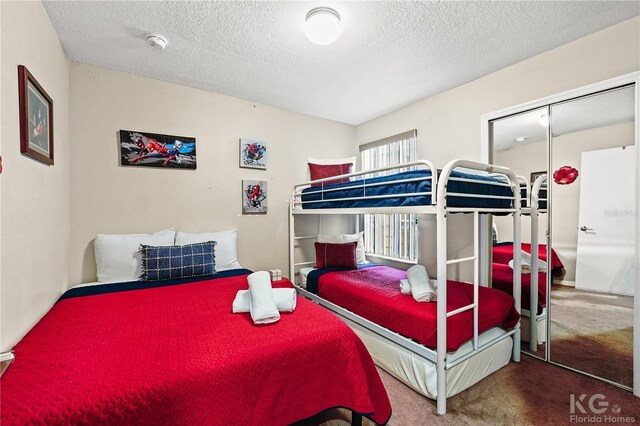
pixel 254 197
pixel 154 150
pixel 253 154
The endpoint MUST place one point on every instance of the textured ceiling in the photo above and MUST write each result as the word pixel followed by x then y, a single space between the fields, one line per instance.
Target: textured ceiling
pixel 389 55
pixel 590 112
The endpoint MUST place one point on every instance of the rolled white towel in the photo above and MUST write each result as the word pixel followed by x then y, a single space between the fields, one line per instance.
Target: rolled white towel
pixel 285 300
pixel 263 306
pixel 525 265
pixel 422 288
pixel 405 287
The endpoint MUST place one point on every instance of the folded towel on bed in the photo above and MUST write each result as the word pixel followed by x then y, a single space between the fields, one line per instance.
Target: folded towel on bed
pixel 285 300
pixel 405 287
pixel 422 288
pixel 525 265
pixel 263 306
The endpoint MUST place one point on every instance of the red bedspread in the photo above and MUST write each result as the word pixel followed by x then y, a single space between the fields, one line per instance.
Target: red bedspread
pixel 504 253
pixel 502 279
pixel 374 294
pixel 177 355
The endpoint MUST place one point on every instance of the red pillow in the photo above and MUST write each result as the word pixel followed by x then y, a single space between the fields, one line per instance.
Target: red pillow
pixel 329 255
pixel 321 171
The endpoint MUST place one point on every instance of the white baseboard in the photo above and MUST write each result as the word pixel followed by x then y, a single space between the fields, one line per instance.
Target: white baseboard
pixel 565 282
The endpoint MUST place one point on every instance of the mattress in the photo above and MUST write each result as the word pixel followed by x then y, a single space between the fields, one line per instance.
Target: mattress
pixel 503 253
pixel 502 279
pixel 421 375
pixel 172 352
pixel 410 193
pixel 303 276
pixel 373 293
pixel 525 201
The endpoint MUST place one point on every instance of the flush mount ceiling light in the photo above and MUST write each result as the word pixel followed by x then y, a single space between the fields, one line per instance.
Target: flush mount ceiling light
pixel 322 25
pixel 521 139
pixel 157 40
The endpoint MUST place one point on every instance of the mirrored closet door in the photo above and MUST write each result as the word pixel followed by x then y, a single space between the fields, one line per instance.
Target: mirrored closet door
pixel 592 232
pixel 520 142
pixel 576 158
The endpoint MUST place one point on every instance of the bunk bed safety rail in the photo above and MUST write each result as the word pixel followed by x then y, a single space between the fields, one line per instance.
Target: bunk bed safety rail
pixel 540 184
pixel 296 196
pixel 524 184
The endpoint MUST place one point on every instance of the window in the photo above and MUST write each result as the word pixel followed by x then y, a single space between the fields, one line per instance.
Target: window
pixel 392 236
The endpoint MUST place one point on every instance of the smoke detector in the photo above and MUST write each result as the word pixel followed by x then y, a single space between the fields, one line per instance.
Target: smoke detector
pixel 157 40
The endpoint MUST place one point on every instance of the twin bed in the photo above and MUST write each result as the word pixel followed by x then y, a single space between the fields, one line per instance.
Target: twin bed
pixel 439 349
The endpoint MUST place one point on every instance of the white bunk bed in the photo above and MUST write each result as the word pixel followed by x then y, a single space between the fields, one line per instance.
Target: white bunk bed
pixel 533 325
pixel 385 343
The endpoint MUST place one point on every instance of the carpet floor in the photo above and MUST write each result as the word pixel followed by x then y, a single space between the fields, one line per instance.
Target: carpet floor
pixel 593 332
pixel 531 392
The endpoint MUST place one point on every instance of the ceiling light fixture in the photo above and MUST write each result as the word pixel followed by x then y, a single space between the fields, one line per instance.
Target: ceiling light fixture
pixel 521 139
pixel 322 25
pixel 157 40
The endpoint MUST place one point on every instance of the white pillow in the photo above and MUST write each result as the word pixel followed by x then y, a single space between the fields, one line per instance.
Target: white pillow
pixel 226 249
pixel 117 257
pixel 347 238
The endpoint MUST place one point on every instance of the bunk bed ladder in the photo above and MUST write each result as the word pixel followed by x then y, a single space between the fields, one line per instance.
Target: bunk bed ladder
pixel 443 262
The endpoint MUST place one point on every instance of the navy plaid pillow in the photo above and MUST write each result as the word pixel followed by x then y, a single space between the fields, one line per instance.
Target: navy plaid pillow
pixel 168 262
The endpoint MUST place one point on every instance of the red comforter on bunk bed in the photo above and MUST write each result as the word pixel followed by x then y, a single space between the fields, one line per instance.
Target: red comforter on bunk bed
pixel 374 293
pixel 175 354
pixel 503 253
pixel 502 279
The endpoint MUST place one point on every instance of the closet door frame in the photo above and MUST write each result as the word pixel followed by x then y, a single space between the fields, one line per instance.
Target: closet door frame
pixel 486 155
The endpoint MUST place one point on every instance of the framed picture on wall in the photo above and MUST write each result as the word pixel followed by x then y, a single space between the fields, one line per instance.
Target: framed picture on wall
pixel 36 118
pixel 253 154
pixel 254 197
pixel 536 175
pixel 156 150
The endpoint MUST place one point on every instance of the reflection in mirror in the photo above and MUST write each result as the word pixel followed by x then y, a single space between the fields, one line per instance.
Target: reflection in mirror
pixel 520 143
pixel 592 232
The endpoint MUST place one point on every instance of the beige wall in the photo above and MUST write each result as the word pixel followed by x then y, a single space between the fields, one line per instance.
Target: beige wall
pixel 523 160
pixel 109 198
pixel 449 123
pixel 34 196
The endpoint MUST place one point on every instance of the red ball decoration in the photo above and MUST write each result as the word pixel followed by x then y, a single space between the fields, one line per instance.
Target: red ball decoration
pixel 565 175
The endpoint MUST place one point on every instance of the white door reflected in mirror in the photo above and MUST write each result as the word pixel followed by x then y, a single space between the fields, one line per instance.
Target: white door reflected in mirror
pixel 604 259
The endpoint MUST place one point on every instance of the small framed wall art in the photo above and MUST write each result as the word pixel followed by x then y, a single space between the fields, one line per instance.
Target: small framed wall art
pixel 156 150
pixel 536 175
pixel 254 197
pixel 36 118
pixel 253 154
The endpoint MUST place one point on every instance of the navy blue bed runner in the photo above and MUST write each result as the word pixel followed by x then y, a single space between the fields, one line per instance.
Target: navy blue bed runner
pixel 92 290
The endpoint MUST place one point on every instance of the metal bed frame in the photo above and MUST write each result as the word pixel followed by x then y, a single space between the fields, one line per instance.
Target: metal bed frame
pixel 441 210
pixel 533 209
